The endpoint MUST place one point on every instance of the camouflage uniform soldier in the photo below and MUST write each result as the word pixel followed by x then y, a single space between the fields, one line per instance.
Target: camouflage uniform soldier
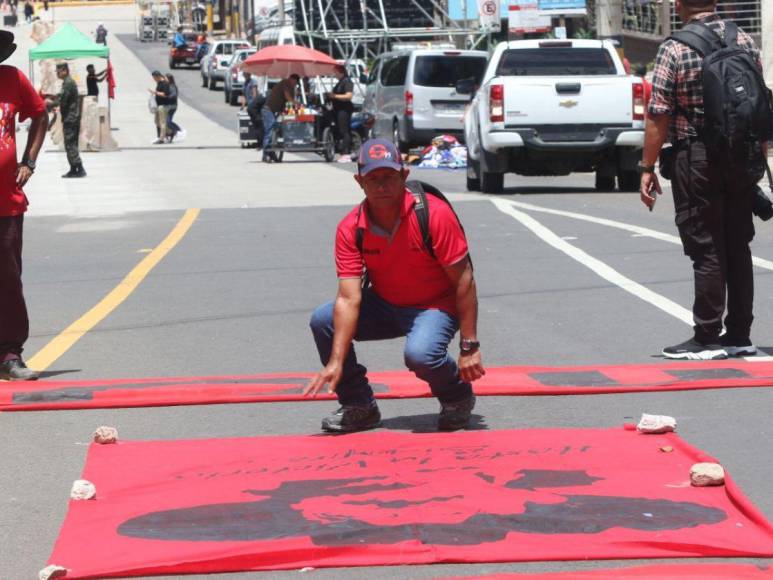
pixel 69 108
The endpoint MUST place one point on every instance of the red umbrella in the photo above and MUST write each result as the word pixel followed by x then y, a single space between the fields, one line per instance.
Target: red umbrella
pixel 281 61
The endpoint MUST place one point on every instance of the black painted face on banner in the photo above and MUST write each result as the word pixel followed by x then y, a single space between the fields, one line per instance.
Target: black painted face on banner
pixel 376 510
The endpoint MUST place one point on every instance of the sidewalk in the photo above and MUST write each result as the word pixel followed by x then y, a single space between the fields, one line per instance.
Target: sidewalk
pixel 208 170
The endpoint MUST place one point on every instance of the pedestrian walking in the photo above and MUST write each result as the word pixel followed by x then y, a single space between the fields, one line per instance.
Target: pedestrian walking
pixel 253 103
pixel 281 94
pixel 70 112
pixel 717 126
pixel 17 97
pixel 29 11
pixel 341 98
pixel 93 79
pixel 421 286
pixel 172 128
pixel 161 94
pixel 100 36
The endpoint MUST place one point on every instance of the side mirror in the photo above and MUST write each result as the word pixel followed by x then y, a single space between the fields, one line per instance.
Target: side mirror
pixel 465 86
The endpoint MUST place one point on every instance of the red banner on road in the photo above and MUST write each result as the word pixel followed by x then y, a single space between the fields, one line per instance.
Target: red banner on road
pixel 518 380
pixel 173 507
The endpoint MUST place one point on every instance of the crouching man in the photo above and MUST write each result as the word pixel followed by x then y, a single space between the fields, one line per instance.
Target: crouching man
pixel 412 249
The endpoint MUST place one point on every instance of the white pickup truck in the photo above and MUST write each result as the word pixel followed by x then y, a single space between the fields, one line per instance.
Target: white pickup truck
pixel 554 107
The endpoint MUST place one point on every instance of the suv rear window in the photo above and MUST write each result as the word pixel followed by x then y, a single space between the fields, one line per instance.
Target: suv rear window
pixel 445 70
pixel 556 61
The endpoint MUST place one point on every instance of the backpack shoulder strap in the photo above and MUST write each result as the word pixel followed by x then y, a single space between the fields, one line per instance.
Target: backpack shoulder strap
pixel 359 233
pixel 731 33
pixel 699 37
pixel 421 208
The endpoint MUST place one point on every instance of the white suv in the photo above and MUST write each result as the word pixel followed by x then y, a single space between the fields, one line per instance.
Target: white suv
pixel 215 63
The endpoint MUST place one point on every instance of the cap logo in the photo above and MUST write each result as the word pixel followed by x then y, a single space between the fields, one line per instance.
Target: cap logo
pixel 378 152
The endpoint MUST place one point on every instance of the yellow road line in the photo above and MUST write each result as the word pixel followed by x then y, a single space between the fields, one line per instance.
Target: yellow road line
pixel 73 333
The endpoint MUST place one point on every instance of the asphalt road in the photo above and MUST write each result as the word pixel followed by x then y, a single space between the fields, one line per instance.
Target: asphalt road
pixel 234 297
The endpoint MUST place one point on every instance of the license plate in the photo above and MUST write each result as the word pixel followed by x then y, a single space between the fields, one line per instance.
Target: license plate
pixel 450 107
pixel 190 60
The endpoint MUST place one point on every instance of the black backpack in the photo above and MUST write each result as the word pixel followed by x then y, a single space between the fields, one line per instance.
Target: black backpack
pixel 419 189
pixel 738 106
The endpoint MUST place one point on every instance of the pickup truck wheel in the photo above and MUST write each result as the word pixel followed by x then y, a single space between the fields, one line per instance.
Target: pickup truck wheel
pixel 492 182
pixel 473 175
pixel 233 99
pixel 171 64
pixel 204 81
pixel 605 182
pixel 226 95
pixel 628 181
pixel 212 84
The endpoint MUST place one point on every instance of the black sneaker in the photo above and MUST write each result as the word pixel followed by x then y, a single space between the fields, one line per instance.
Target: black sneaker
pixel 737 346
pixel 16 370
pixel 694 350
pixel 454 416
pixel 348 419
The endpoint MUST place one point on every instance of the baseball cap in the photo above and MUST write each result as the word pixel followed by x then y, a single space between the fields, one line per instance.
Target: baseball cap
pixel 378 153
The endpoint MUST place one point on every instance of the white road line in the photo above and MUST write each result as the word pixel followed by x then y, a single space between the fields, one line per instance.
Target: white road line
pixel 638 231
pixel 597 266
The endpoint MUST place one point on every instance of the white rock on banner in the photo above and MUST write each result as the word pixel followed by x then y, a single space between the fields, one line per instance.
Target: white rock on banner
pixel 82 489
pixel 656 424
pixel 104 435
pixel 707 474
pixel 51 572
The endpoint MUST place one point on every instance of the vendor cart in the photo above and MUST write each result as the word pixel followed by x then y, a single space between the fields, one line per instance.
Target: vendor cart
pixel 309 131
pixel 304 129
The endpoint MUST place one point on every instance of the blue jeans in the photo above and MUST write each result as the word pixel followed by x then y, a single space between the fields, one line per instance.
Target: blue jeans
pixel 269 119
pixel 427 332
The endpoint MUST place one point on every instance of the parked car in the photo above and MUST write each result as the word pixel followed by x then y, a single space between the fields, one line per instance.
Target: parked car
pixel 185 55
pixel 233 84
pixel 412 95
pixel 215 62
pixel 548 107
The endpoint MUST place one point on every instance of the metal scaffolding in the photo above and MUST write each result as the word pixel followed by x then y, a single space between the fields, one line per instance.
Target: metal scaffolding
pixel 372 26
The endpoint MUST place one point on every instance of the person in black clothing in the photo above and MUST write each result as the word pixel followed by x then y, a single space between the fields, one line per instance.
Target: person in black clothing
pixel 172 128
pixel 161 93
pixel 341 98
pixel 93 79
pixel 29 11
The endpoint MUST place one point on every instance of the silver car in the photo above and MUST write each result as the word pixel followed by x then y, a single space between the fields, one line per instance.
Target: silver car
pixel 412 94
pixel 215 62
pixel 233 84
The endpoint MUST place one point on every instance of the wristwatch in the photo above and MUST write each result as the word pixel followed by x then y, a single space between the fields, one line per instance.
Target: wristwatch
pixel 645 168
pixel 466 345
pixel 30 163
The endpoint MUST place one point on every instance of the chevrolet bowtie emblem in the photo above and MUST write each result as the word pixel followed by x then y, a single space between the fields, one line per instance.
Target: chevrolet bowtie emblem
pixel 569 103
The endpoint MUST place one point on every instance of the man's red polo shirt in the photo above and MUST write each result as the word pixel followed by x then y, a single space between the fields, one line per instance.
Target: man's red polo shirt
pixel 17 97
pixel 401 270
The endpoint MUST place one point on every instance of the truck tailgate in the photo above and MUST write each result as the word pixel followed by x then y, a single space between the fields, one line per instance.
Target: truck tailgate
pixel 535 101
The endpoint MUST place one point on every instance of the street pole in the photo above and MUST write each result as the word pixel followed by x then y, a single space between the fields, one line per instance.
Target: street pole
pixel 210 16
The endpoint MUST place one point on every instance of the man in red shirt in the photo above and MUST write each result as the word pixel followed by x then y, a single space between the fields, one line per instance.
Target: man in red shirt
pixel 17 97
pixel 412 294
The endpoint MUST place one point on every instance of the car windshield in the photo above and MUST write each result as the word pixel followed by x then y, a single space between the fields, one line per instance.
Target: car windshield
pixel 445 70
pixel 556 61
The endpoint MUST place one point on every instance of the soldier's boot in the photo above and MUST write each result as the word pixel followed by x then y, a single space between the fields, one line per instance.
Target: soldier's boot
pixel 70 173
pixel 79 171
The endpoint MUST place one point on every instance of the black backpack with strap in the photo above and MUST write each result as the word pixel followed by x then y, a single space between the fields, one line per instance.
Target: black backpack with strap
pixel 419 189
pixel 738 106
